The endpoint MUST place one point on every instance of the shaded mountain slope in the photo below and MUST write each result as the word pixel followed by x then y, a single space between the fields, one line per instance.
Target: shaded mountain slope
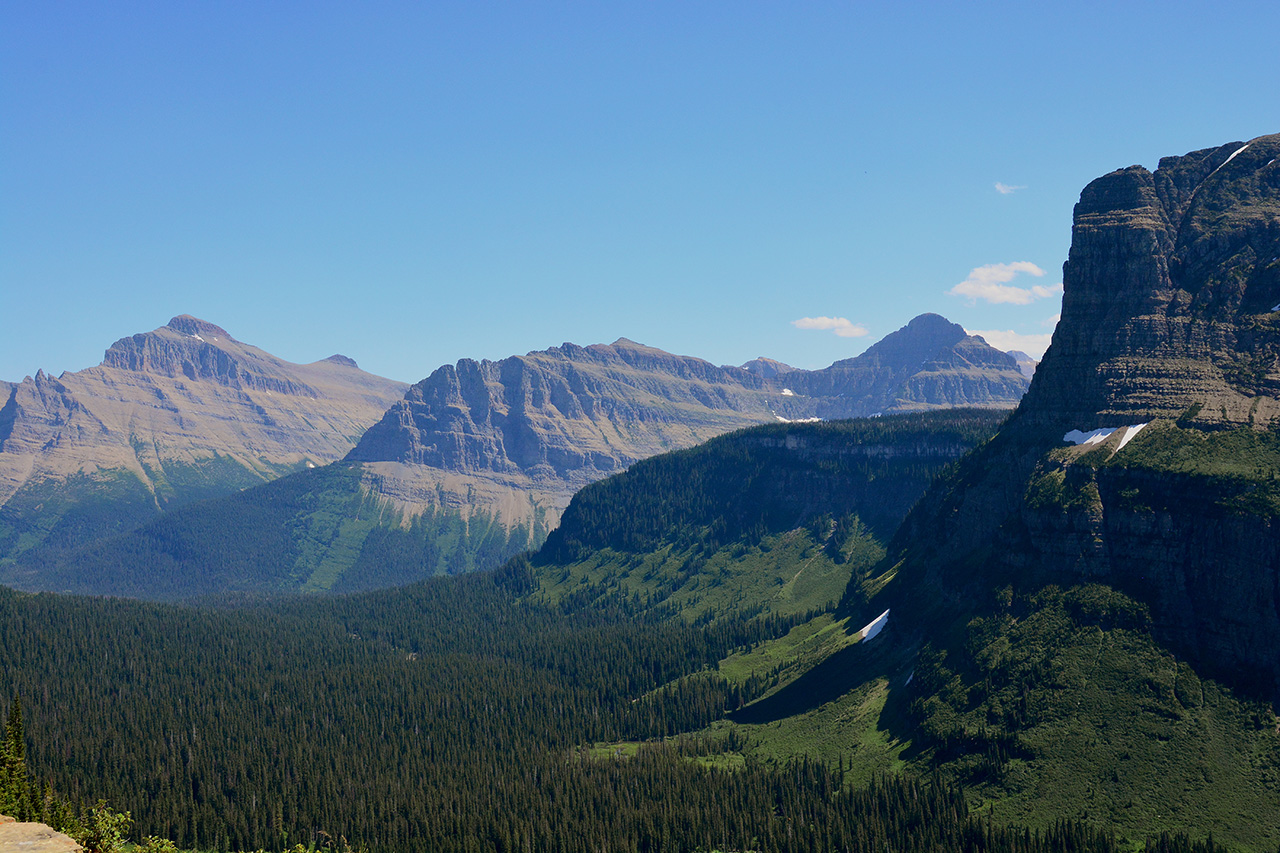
pixel 506 443
pixel 323 529
pixel 1082 615
pixel 771 519
pixel 1168 291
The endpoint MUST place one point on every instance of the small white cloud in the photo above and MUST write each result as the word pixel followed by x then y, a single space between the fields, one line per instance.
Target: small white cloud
pixel 1009 189
pixel 1008 340
pixel 842 327
pixel 988 282
pixel 1051 322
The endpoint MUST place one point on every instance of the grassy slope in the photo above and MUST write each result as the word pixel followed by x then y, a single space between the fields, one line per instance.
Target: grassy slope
pixel 312 531
pixel 788 574
pixel 1047 704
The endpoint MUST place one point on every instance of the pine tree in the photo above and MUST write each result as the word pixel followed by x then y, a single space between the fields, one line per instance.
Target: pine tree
pixel 15 794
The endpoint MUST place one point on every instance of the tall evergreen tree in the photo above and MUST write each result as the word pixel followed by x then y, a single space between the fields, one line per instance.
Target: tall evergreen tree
pixel 15 793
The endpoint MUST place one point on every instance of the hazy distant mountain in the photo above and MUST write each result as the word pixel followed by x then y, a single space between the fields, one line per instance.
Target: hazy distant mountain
pixel 523 434
pixel 1026 363
pixel 929 363
pixel 766 368
pixel 182 412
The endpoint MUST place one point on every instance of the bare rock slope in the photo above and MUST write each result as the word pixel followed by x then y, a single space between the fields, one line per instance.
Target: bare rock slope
pixel 18 837
pixel 181 412
pixel 519 436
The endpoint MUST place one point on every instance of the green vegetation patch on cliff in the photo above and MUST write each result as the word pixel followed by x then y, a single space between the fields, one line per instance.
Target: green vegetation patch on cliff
pixel 768 480
pixel 1060 703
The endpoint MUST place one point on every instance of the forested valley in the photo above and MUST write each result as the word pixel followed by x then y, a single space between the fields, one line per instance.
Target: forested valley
pixel 572 700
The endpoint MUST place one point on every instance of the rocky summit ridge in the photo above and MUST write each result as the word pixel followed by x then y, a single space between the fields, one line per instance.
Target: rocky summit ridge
pixel 521 435
pixel 180 412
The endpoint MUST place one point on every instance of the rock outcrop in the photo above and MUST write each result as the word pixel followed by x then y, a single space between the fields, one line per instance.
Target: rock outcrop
pixel 34 838
pixel 1167 320
pixel 182 412
pixel 766 368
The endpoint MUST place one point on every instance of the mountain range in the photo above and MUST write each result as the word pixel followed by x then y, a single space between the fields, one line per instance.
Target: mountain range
pixel 932 630
pixel 479 457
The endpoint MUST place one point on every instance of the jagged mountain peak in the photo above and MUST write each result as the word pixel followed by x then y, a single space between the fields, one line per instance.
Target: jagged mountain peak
pixel 1168 355
pixel 179 412
pixel 766 368
pixel 915 343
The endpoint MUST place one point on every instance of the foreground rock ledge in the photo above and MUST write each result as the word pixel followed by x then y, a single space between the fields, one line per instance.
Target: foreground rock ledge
pixel 33 838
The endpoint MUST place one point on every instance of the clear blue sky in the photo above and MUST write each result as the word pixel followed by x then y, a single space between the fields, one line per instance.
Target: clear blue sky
pixel 413 183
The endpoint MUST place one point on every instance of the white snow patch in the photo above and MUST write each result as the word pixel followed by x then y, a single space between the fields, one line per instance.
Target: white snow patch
pixel 1276 308
pixel 310 464
pixel 797 420
pixel 1129 433
pixel 787 392
pixel 1098 436
pixel 875 626
pixel 1269 162
pixel 1086 438
pixel 200 339
pixel 1232 157
pixel 909 677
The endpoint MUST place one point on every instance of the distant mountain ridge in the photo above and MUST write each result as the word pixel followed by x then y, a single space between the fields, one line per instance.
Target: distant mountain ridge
pixel 504 444
pixel 538 427
pixel 178 413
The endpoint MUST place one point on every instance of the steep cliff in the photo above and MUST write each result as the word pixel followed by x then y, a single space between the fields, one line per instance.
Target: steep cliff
pixel 519 436
pixel 1167 322
pixel 182 412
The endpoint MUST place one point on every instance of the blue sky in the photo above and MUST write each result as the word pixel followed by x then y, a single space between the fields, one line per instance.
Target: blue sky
pixel 413 183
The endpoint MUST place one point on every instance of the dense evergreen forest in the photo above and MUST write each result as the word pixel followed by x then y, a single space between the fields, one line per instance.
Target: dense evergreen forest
pixel 483 712
pixel 766 479
pixel 445 717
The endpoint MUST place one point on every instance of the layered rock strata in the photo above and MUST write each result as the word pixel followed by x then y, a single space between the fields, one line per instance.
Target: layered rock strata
pixel 182 411
pixel 519 436
pixel 1171 317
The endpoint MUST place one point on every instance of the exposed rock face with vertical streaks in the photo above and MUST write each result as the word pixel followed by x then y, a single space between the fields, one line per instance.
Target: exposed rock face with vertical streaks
pixel 1171 316
pixel 521 435
pixel 183 412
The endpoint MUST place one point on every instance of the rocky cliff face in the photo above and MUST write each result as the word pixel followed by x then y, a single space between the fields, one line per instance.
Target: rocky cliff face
pixel 1169 290
pixel 183 411
pixel 1167 319
pixel 521 435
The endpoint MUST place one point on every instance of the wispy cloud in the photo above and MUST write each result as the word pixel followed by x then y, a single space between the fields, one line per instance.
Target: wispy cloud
pixel 989 283
pixel 1009 189
pixel 1007 340
pixel 842 327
